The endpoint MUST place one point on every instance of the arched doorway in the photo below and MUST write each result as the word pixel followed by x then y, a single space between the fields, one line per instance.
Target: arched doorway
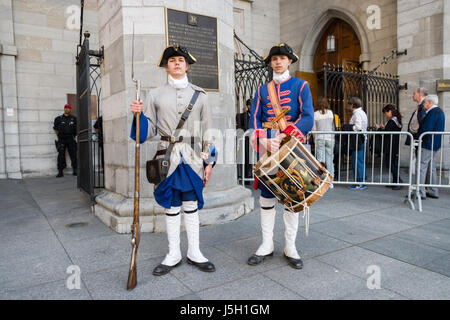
pixel 347 73
pixel 351 49
pixel 339 45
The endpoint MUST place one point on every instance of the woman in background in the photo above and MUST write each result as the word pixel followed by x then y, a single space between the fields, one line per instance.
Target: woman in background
pixel 391 149
pixel 324 121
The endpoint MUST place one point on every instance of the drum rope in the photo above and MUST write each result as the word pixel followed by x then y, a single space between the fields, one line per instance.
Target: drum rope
pixel 306 216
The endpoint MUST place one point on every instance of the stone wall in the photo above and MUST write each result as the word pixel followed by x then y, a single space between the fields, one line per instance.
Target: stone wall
pixel 421 30
pixel 302 24
pixel 9 128
pixel 257 23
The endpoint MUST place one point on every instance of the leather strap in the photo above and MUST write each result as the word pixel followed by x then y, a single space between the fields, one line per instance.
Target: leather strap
pixel 169 139
pixel 282 123
pixel 172 139
pixel 183 119
pixel 191 211
pixel 273 125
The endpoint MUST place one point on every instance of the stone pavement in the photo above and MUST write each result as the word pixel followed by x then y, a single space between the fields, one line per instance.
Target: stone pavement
pixel 354 236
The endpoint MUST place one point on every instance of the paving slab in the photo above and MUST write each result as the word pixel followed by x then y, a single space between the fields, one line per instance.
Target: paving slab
pixel 256 287
pixel 397 276
pixel 57 290
pixel 24 271
pixel 374 294
pixel 94 228
pixel 227 269
pixel 346 231
pixel 38 243
pixel 241 250
pixel 313 245
pixel 405 250
pixel 111 284
pixel 317 281
pixel 100 253
pixel 435 234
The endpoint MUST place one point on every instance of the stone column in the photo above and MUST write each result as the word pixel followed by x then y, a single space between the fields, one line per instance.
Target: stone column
pixel 9 127
pixel 224 199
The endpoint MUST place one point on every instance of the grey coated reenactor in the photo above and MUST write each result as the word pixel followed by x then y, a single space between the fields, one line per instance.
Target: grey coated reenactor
pixel 188 171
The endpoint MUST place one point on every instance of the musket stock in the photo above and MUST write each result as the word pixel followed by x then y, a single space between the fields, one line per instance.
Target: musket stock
pixel 132 273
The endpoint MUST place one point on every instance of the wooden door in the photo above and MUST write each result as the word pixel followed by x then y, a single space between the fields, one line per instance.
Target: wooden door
pixel 348 47
pixel 347 53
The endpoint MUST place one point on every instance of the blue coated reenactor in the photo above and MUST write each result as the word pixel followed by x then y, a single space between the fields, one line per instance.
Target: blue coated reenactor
pixel 296 102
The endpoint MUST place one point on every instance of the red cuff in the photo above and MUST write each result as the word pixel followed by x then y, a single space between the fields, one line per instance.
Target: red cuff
pixel 259 133
pixel 293 131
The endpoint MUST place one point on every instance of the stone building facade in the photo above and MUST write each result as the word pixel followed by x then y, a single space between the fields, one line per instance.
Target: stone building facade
pixel 38 41
pixel 38 46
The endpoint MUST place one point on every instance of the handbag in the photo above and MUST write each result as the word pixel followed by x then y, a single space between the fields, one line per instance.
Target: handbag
pixel 157 169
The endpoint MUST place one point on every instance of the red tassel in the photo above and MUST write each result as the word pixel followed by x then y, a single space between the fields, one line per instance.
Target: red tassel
pixel 256 185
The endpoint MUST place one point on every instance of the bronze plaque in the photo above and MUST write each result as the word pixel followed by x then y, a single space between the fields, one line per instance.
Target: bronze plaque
pixel 443 85
pixel 198 34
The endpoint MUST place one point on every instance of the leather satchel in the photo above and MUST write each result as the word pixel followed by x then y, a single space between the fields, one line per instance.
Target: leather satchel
pixel 158 169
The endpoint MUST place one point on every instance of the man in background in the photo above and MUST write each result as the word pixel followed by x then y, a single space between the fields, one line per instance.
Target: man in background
pixel 359 123
pixel 243 118
pixel 433 121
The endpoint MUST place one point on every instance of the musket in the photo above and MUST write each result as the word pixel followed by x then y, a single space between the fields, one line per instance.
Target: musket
pixel 132 273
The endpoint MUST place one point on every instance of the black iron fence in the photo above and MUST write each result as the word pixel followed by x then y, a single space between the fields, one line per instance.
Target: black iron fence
pixel 375 90
pixel 90 149
pixel 250 73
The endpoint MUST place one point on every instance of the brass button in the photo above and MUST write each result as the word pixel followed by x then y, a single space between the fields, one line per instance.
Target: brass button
pixel 179 112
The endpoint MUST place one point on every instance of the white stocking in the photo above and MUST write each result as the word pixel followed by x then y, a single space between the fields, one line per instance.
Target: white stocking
pixel 267 224
pixel 173 221
pixel 192 224
pixel 290 234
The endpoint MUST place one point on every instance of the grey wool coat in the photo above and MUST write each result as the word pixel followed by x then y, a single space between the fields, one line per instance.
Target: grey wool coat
pixel 163 108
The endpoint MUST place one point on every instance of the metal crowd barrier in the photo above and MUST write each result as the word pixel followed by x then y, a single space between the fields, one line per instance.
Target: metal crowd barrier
pixel 377 154
pixel 432 166
pixel 374 156
pixel 379 163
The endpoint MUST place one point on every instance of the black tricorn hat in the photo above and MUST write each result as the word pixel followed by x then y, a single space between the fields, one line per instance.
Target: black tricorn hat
pixel 281 49
pixel 176 50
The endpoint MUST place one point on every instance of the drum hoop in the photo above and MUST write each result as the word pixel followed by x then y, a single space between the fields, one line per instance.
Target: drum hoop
pixel 285 150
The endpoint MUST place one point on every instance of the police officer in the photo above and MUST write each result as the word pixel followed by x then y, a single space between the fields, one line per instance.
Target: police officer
pixel 65 127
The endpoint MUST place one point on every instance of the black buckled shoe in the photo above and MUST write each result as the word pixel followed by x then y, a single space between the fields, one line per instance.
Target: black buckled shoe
pixel 60 174
pixel 254 260
pixel 432 196
pixel 162 269
pixel 202 266
pixel 294 263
